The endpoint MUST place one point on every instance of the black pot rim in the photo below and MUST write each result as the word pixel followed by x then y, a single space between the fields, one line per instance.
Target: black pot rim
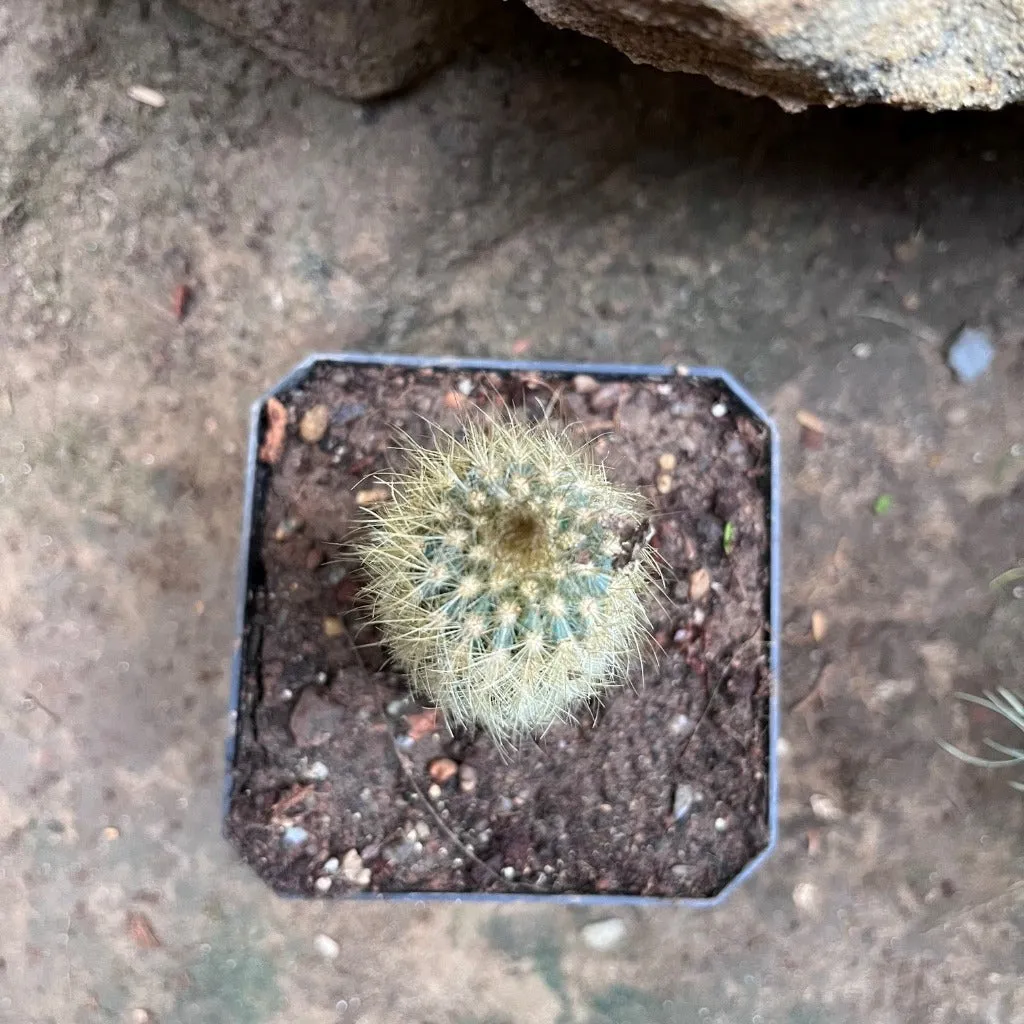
pixel 598 370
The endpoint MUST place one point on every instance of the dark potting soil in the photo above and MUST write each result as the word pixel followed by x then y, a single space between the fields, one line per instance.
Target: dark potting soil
pixel 343 783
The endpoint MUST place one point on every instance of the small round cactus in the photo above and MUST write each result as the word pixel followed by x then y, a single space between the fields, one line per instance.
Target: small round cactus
pixel 507 577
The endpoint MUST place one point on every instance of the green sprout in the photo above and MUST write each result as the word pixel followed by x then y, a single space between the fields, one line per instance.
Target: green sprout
pixel 729 537
pixel 883 505
pixel 508 576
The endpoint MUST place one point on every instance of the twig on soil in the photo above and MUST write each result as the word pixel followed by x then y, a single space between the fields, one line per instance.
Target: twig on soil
pixel 815 687
pixel 407 769
pixel 718 685
pixel 917 330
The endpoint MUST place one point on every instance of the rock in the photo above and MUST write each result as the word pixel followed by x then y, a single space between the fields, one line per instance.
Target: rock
pixel 331 866
pixel 294 835
pixel 317 772
pixel 970 356
pixel 333 627
pixel 362 49
pixel 327 947
pixel 352 869
pixel 666 462
pixel 682 801
pixel 700 584
pixel 314 423
pixel 603 936
pixel 323 884
pixel 584 384
pixel 931 54
pixel 441 769
pixel 315 718
pixel 825 808
pixel 467 778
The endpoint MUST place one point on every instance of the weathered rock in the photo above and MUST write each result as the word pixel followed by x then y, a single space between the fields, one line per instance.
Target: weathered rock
pixel 362 49
pixel 933 54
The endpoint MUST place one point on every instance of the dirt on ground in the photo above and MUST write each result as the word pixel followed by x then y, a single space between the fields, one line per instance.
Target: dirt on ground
pixel 540 198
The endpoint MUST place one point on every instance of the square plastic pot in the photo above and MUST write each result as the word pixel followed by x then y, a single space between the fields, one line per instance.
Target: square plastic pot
pixel 256 478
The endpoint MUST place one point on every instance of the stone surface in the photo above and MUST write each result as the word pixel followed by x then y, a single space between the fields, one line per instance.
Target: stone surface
pixel 605 935
pixel 361 49
pixel 543 198
pixel 931 54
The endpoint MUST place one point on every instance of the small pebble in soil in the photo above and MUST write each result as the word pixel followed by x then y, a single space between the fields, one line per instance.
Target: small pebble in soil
pixel 700 584
pixel 682 801
pixel 333 627
pixel 352 869
pixel 313 424
pixel 435 792
pixel 825 808
pixel 862 350
pixel 584 384
pixel 322 884
pixel 681 725
pixel 465 387
pixel 315 718
pixel 508 872
pixel 286 528
pixel 327 947
pixel 807 897
pixel 110 833
pixel 441 769
pixel 721 824
pixel 666 462
pixel 664 483
pixel 141 1016
pixel 422 830
pixel 970 356
pixel 718 410
pixel 331 865
pixel 397 708
pixel 819 626
pixel 317 772
pixel 467 778
pixel 603 936
pixel 294 835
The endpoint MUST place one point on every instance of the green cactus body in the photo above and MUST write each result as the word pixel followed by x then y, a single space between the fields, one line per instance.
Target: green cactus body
pixel 500 581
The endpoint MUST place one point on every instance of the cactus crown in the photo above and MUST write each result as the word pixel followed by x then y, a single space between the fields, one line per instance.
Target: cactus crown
pixel 500 580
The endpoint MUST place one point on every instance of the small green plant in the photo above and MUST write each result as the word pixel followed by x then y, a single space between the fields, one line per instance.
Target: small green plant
pixel 508 576
pixel 1011 707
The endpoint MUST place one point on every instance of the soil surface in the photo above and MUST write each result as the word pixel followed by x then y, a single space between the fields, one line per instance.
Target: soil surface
pixel 661 791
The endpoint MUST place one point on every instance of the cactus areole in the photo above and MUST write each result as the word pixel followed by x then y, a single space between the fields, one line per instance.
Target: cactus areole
pixel 509 576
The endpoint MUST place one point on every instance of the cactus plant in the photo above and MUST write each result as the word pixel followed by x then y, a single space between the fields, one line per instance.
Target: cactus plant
pixel 1011 707
pixel 508 577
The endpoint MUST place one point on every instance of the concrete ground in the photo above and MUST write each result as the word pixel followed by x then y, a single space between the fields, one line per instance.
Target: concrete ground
pixel 544 198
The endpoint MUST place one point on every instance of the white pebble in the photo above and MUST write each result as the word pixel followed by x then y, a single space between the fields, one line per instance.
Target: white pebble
pixel 148 97
pixel 721 824
pixel 682 802
pixel 603 936
pixel 322 884
pixel 862 350
pixel 718 410
pixel 331 865
pixel 326 947
pixel 806 897
pixel 825 808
